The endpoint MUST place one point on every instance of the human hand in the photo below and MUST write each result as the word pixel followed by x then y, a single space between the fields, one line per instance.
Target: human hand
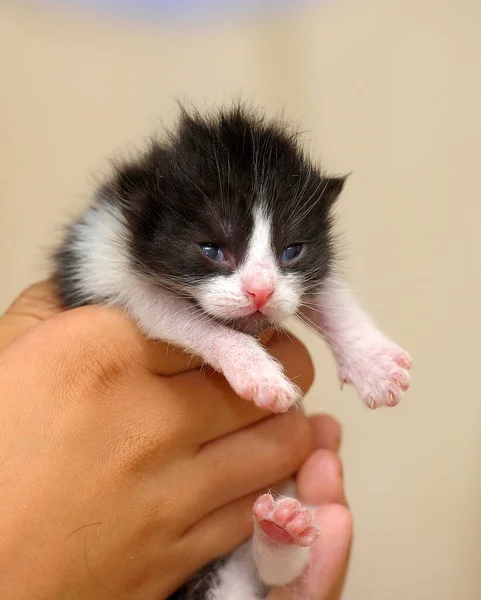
pixel 123 465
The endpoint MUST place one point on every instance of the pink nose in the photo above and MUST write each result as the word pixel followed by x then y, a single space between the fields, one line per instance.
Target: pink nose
pixel 259 294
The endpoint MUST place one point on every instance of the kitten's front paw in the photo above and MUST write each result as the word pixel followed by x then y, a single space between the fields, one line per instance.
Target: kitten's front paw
pixel 285 521
pixel 260 379
pixel 379 372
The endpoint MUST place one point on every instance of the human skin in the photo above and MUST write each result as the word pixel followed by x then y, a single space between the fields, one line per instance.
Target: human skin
pixel 124 464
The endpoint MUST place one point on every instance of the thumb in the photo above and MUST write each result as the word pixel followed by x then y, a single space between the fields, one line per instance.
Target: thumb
pixel 35 304
pixel 324 577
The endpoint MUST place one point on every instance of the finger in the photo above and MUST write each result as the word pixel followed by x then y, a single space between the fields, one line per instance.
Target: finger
pixel 338 587
pixel 250 459
pixel 327 432
pixel 319 480
pixel 34 305
pixel 330 554
pixel 218 411
pixel 222 530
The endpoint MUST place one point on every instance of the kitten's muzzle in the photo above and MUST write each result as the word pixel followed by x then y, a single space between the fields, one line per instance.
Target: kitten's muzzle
pixel 259 285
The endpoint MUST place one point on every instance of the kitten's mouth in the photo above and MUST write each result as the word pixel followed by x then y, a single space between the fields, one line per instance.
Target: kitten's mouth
pixel 253 323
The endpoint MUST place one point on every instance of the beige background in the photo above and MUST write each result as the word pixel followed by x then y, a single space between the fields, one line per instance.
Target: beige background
pixel 388 90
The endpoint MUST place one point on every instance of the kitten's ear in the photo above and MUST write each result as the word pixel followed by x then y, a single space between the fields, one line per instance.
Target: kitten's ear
pixel 192 130
pixel 334 187
pixel 128 187
pixel 129 179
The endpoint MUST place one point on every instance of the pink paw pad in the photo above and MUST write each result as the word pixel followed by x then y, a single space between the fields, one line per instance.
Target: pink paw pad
pixel 285 521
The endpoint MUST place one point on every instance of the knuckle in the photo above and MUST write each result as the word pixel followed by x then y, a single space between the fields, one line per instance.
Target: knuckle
pixel 96 354
pixel 101 366
pixel 142 438
pixel 134 456
pixel 138 448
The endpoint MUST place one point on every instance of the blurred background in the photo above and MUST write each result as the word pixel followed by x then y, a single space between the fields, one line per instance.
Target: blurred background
pixel 388 90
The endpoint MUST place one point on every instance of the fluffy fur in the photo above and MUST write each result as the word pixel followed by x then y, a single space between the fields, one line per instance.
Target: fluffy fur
pixel 219 231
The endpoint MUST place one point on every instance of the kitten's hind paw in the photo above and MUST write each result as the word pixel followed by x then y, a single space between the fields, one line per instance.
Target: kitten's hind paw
pixel 285 521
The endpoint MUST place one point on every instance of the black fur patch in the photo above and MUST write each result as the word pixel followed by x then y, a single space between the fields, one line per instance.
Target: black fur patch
pixel 201 185
pixel 198 587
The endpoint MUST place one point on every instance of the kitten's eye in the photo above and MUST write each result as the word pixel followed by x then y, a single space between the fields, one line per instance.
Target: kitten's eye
pixel 213 252
pixel 291 252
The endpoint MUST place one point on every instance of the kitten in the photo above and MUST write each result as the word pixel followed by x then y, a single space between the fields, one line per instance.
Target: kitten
pixel 210 237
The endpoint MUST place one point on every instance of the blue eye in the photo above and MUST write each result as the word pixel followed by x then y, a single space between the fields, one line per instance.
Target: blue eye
pixel 291 252
pixel 213 252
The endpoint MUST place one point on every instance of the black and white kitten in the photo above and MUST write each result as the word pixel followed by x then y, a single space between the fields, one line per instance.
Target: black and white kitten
pixel 211 236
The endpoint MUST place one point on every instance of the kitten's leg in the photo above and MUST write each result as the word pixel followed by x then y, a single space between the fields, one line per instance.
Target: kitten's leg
pixel 252 373
pixel 283 532
pixel 366 358
pixel 277 554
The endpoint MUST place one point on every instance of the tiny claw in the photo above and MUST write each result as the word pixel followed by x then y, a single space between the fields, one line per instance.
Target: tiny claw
pixel 403 386
pixel 371 403
pixel 406 363
pixel 309 536
pixel 392 399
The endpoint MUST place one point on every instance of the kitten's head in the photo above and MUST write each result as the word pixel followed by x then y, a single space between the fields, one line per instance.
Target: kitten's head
pixel 230 213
